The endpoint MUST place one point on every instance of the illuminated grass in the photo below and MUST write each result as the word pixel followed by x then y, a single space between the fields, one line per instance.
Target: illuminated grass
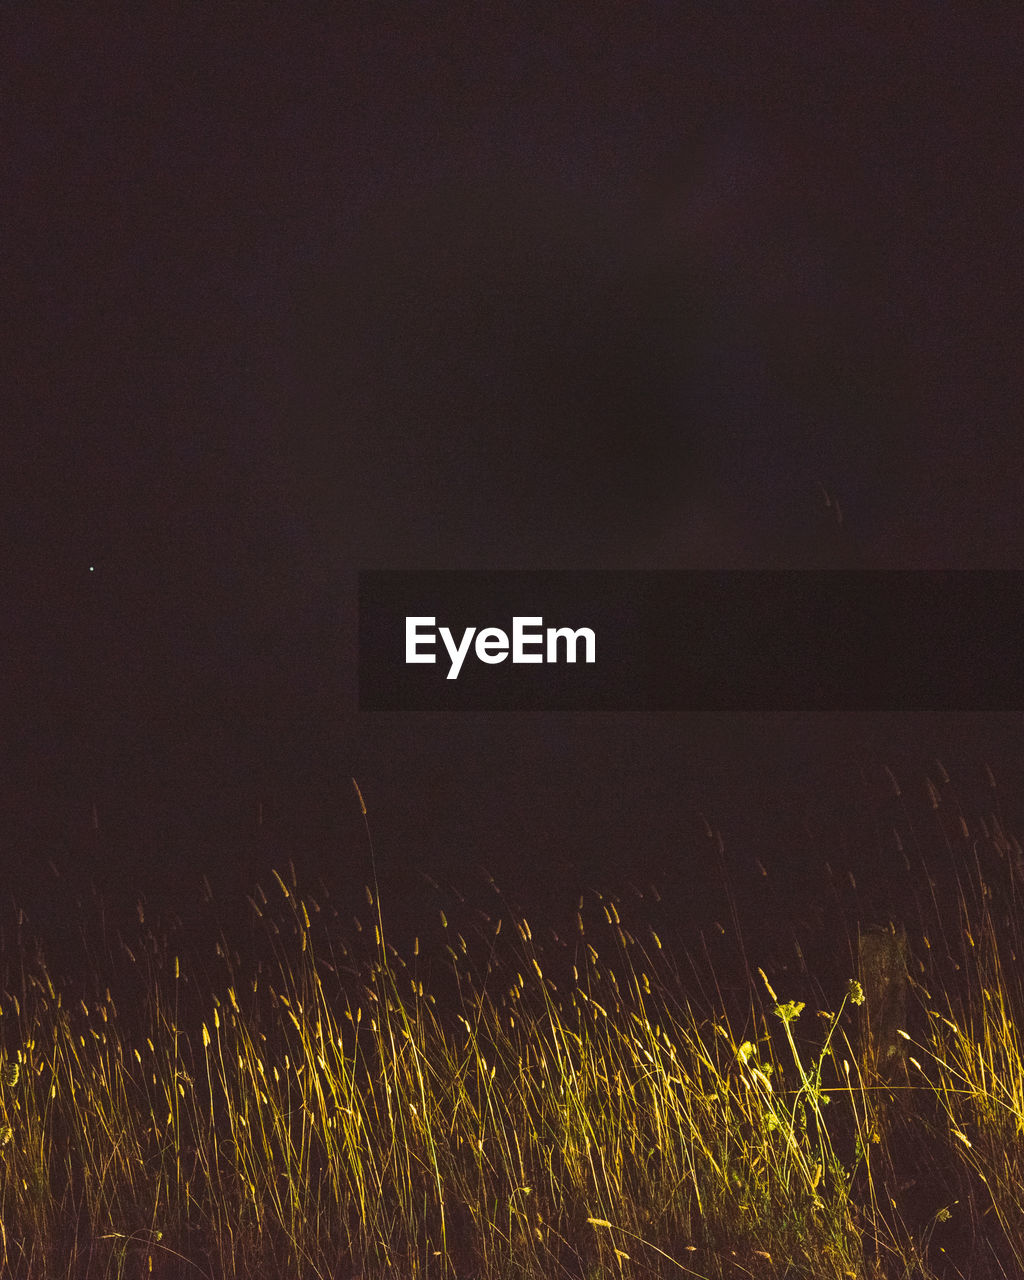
pixel 497 1104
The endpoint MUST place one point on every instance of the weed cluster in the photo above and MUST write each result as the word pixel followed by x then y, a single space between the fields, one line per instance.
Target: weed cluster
pixel 498 1105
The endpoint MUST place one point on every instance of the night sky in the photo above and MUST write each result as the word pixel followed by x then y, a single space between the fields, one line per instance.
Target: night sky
pixel 285 299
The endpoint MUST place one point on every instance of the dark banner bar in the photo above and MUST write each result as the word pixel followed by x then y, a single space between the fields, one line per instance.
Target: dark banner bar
pixel 694 641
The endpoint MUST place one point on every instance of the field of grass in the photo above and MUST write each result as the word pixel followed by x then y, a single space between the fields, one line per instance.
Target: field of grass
pixel 306 1102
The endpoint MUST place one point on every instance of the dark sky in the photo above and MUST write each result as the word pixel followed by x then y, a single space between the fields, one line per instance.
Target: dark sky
pixel 286 298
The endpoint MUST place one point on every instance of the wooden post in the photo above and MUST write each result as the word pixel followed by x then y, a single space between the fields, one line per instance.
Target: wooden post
pixel 883 954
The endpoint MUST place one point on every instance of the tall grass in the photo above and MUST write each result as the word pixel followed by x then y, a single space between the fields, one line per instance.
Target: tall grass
pixel 498 1104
